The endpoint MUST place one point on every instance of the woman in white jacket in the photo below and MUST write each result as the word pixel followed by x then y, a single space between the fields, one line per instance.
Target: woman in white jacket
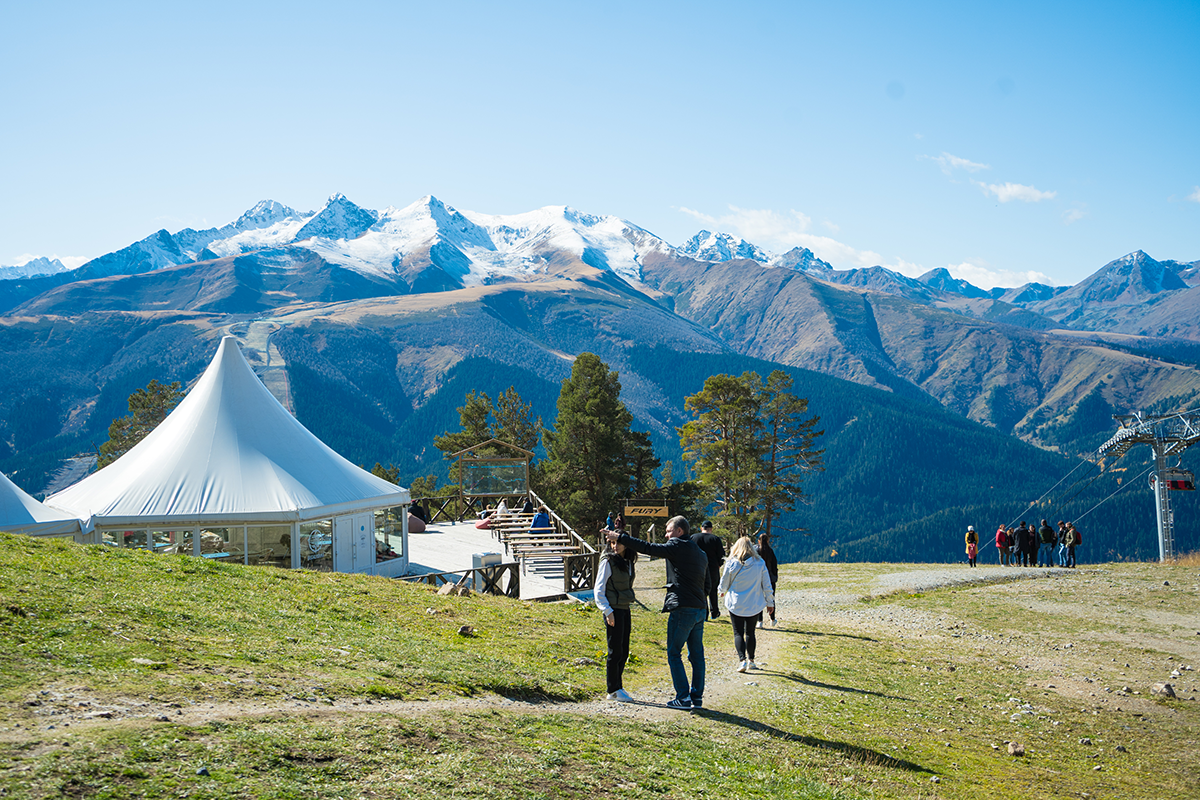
pixel 747 589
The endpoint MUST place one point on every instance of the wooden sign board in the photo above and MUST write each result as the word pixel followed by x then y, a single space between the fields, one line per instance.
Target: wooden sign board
pixel 646 510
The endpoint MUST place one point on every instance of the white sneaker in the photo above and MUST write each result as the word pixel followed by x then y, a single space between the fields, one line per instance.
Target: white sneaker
pixel 744 666
pixel 621 696
pixel 751 665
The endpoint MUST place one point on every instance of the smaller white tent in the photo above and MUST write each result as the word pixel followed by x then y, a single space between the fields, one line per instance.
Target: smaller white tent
pixel 20 513
pixel 230 461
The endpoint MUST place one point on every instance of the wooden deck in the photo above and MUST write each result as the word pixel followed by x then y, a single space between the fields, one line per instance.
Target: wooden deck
pixel 449 547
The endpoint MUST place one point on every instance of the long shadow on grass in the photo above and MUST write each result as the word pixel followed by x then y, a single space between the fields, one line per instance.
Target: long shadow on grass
pixel 797 678
pixel 863 755
pixel 797 632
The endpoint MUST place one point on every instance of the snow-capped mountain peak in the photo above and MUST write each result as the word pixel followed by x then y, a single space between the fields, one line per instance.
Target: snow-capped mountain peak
pixel 709 246
pixel 264 214
pixel 34 266
pixel 339 219
pixel 801 259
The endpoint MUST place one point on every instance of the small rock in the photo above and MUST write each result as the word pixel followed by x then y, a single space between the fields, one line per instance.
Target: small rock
pixel 586 662
pixel 1121 749
pixel 430 611
pixel 1164 690
pixel 935 779
pixel 447 589
pixel 959 699
pixel 1085 741
pixel 145 662
pixel 1015 749
pixel 1166 583
pixel 202 771
pixel 1097 768
pixel 466 630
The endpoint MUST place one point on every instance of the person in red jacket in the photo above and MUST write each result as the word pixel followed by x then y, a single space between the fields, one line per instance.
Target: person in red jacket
pixel 1002 545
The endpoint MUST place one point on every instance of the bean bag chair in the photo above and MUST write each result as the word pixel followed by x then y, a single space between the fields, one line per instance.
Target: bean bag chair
pixel 415 524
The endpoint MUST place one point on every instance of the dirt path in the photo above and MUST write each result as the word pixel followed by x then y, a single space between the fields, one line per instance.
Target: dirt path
pixel 67 708
pixel 798 610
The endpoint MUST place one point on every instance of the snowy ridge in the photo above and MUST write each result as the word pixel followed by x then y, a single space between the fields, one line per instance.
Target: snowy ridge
pixel 35 266
pixel 718 247
pixel 486 248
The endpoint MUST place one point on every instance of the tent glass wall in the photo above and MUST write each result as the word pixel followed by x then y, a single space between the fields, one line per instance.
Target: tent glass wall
pixel 316 545
pixel 389 533
pixel 269 544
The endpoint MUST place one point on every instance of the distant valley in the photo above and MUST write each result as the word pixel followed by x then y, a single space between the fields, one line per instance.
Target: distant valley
pixel 372 326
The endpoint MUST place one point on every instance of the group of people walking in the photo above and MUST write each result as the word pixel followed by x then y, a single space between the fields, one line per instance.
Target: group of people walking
pixel 695 580
pixel 1027 546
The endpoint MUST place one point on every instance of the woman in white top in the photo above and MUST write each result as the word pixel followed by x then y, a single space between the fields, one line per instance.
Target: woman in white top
pixel 747 589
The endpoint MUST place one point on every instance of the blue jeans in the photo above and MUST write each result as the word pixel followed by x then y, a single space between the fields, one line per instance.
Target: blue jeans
pixel 1062 555
pixel 1046 554
pixel 686 626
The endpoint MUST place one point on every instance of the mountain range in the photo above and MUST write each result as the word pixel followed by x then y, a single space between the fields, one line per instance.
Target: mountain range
pixel 372 325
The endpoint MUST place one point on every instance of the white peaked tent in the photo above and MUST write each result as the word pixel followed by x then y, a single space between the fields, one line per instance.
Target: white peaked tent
pixel 231 462
pixel 20 513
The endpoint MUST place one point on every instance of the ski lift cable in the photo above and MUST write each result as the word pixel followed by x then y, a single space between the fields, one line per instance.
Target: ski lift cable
pixel 1052 488
pixel 1119 488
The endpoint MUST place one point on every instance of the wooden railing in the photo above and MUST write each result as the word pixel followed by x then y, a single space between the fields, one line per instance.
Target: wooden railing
pixel 474 506
pixel 438 507
pixel 491 578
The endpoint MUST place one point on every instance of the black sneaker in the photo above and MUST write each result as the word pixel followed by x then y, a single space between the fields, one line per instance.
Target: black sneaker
pixel 697 702
pixel 683 705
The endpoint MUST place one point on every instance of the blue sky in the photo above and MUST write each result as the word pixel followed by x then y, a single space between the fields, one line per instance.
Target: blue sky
pixel 1003 141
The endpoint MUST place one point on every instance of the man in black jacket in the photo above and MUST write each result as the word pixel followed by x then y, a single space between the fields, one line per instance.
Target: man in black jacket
pixel 686 603
pixel 714 548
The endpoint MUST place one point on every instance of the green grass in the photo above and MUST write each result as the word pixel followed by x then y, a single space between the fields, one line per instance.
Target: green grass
pixel 223 632
pixel 345 686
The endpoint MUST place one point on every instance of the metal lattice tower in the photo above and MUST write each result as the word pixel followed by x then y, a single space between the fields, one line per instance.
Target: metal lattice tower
pixel 1168 435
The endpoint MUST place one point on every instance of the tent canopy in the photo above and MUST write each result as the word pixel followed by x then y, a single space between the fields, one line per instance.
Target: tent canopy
pixel 20 513
pixel 229 452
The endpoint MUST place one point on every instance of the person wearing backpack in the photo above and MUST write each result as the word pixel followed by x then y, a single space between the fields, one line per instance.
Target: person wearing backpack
pixel 1074 539
pixel 1069 546
pixel 972 539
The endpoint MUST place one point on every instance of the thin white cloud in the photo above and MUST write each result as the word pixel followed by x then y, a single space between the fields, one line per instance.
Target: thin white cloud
pixel 780 232
pixel 949 163
pixel 1073 215
pixel 1006 192
pixel 70 262
pixel 1195 195
pixel 983 276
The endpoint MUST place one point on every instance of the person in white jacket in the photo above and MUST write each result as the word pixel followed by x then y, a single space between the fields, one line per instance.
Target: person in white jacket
pixel 746 585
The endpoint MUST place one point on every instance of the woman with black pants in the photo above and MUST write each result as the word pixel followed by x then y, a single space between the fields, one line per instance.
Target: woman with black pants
pixel 614 595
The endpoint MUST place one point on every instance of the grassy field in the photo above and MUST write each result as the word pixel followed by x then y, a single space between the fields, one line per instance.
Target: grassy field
pixel 124 674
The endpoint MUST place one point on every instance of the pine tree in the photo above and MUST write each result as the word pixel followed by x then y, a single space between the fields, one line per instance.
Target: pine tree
pixel 724 439
pixel 147 408
pixel 787 446
pixel 473 418
pixel 588 452
pixel 515 422
pixel 753 445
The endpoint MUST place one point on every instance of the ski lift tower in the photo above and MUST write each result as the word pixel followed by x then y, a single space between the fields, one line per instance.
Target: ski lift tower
pixel 1168 435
